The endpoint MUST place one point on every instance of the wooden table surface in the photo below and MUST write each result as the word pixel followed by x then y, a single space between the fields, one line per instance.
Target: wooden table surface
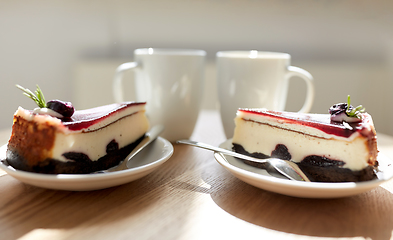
pixel 191 197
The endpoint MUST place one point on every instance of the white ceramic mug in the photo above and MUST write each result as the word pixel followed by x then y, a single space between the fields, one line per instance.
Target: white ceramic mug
pixel 254 79
pixel 171 82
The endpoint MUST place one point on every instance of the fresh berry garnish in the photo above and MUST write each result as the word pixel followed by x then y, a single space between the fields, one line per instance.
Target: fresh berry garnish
pixel 64 108
pixel 345 112
pixel 338 108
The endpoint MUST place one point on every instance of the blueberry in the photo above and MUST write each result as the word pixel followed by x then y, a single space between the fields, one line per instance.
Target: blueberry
pixel 64 108
pixel 338 108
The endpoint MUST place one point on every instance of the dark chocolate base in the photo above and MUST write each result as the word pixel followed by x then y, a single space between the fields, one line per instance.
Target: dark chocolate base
pixel 317 168
pixel 79 164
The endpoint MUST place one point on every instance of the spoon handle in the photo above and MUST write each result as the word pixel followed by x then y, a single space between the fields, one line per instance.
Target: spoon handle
pixel 150 136
pixel 221 150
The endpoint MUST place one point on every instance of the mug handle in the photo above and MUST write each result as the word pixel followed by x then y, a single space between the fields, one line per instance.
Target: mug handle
pixel 117 80
pixel 307 77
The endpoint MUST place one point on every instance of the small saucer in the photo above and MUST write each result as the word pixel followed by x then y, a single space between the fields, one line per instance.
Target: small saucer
pixel 260 178
pixel 142 164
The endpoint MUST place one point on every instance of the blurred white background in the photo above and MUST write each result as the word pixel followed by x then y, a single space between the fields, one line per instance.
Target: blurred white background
pixel 71 48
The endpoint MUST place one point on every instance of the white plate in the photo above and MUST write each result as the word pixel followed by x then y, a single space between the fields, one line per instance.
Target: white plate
pixel 142 164
pixel 260 178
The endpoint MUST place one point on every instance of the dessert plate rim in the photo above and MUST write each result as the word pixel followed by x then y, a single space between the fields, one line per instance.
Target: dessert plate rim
pixel 260 178
pixel 157 153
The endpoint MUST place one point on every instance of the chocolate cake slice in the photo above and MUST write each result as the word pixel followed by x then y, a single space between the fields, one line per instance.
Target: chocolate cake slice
pixel 327 147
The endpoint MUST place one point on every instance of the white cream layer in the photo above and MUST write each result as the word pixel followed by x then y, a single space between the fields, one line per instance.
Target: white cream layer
pixel 281 123
pixel 263 138
pixel 132 124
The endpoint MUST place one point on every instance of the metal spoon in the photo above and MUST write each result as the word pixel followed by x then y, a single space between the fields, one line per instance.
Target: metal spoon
pixel 287 168
pixel 150 136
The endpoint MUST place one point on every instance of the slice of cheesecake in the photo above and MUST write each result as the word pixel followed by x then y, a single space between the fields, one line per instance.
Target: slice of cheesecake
pixel 325 149
pixel 88 141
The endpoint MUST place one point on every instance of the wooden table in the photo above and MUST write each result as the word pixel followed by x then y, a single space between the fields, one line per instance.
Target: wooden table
pixel 191 197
